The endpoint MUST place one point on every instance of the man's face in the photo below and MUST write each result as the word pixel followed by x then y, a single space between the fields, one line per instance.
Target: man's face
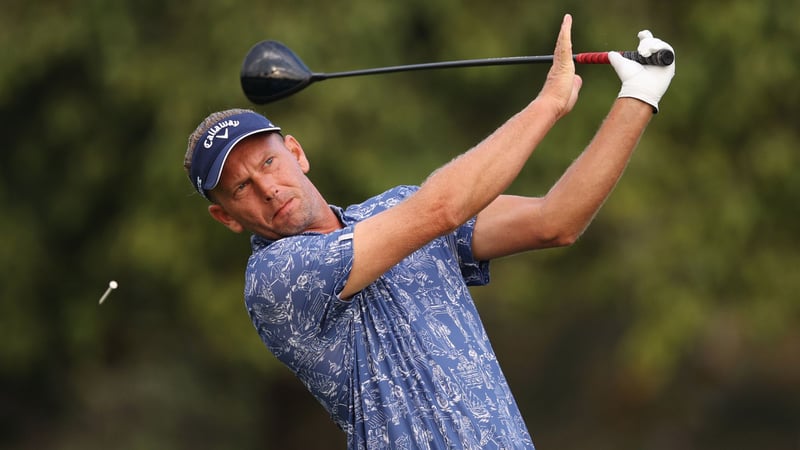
pixel 264 189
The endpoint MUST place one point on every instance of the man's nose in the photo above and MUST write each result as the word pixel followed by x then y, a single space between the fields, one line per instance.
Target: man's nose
pixel 266 186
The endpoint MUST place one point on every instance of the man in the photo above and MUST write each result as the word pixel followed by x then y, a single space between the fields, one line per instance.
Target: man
pixel 369 305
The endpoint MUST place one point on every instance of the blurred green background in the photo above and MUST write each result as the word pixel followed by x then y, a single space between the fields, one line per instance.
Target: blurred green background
pixel 672 323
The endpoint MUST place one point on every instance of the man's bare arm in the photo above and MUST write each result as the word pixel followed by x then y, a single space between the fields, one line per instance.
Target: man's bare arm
pixel 466 185
pixel 513 224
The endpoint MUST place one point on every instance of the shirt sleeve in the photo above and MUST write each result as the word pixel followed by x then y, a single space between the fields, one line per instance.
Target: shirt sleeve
pixel 291 289
pixel 475 273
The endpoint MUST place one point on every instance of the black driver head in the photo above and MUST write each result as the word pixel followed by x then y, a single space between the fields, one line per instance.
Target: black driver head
pixel 271 71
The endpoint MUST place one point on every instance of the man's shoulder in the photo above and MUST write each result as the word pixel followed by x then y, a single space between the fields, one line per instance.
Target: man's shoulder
pixel 378 203
pixel 301 243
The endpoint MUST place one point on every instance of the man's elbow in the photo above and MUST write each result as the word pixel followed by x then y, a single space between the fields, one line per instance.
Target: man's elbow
pixel 567 239
pixel 561 236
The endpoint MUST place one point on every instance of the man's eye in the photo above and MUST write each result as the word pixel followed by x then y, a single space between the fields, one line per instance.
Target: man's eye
pixel 241 187
pixel 269 161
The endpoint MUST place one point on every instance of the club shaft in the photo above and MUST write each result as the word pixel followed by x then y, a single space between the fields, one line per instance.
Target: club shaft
pixel 438 65
pixel 663 58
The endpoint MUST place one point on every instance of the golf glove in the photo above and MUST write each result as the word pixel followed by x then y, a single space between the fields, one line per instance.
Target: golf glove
pixel 644 82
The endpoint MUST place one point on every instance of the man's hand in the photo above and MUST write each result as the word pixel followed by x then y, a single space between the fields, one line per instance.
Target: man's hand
pixel 646 83
pixel 562 85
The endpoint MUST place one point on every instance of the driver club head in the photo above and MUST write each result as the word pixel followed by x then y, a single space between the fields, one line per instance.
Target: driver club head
pixel 272 71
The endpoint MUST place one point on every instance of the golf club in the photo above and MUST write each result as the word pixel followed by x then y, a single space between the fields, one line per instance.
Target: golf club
pixel 271 71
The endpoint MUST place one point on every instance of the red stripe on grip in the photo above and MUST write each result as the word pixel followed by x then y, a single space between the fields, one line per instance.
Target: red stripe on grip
pixel 592 58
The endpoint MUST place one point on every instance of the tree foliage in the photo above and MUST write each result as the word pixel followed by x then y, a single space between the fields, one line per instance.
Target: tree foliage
pixel 672 323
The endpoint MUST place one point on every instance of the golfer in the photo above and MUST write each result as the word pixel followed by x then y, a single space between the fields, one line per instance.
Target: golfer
pixel 368 305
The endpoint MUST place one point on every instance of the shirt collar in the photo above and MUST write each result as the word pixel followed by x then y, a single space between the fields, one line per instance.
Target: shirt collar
pixel 257 241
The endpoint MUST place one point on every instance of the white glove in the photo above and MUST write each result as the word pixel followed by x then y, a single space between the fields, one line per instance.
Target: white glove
pixel 644 82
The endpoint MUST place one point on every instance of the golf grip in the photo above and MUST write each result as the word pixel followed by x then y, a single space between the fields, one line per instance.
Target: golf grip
pixel 660 58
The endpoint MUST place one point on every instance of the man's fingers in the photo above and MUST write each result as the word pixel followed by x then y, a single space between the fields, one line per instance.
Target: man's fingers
pixel 562 61
pixel 564 44
pixel 646 43
pixel 561 86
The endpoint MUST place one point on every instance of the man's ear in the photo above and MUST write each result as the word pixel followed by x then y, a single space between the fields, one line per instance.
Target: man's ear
pixel 220 215
pixel 293 145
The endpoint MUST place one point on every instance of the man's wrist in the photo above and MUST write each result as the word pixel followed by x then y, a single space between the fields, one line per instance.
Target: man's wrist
pixel 547 108
pixel 637 102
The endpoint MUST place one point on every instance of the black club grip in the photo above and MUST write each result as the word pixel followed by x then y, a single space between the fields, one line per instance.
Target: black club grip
pixel 660 58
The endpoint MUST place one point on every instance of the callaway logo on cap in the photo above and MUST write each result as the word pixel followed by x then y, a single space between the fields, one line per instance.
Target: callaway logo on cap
pixel 211 152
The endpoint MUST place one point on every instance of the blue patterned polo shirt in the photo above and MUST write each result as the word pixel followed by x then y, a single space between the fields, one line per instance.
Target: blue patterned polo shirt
pixel 403 364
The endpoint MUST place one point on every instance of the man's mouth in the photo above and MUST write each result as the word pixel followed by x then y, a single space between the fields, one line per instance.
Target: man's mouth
pixel 282 208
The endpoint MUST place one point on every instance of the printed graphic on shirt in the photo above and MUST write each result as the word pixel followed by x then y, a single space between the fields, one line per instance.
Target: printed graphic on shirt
pixel 405 363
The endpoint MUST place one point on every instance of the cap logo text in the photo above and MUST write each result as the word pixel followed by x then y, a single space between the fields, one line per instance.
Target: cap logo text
pixel 222 126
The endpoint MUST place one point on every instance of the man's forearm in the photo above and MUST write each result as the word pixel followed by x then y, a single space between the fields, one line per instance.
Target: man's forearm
pixel 581 191
pixel 470 182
